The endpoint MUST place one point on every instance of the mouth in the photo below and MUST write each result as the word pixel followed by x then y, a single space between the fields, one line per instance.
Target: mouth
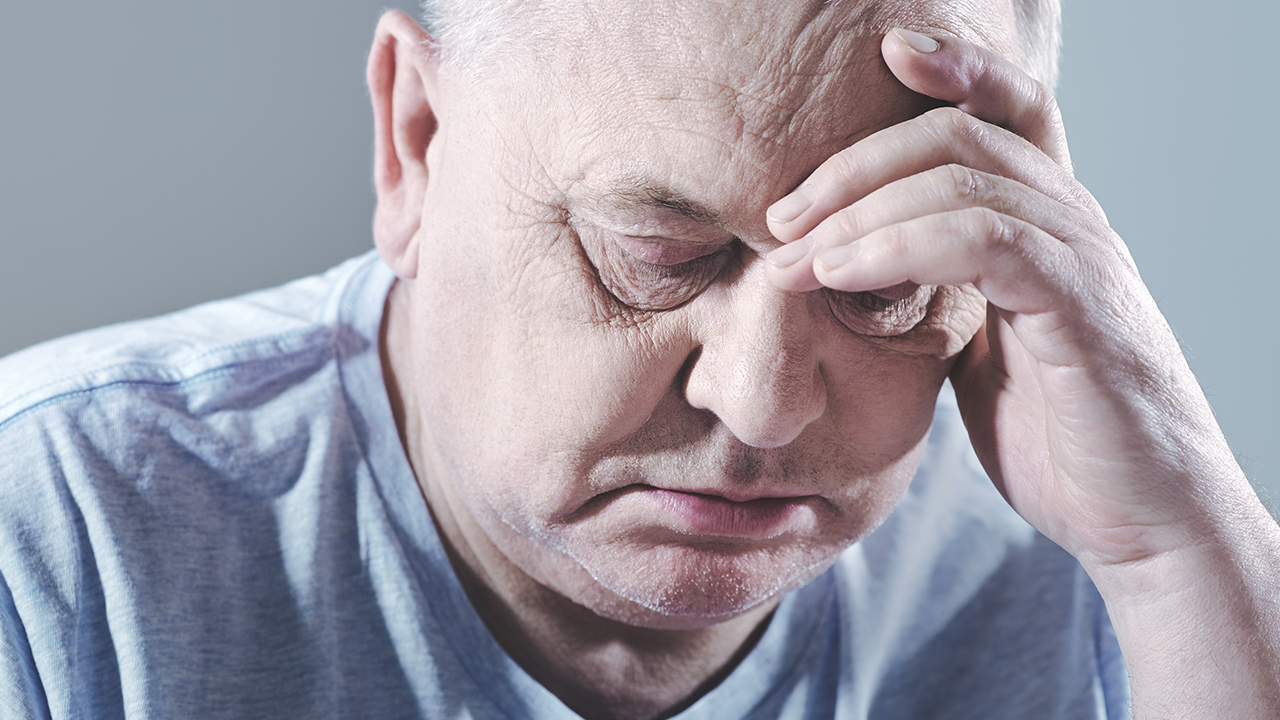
pixel 712 514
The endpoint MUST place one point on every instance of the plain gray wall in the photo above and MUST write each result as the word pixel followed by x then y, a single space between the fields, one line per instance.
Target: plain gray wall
pixel 158 154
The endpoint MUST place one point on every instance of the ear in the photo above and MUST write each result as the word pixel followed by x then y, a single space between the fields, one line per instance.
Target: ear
pixel 402 77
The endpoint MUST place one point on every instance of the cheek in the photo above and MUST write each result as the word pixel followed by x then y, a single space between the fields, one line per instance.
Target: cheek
pixel 886 406
pixel 881 398
pixel 582 372
pixel 530 378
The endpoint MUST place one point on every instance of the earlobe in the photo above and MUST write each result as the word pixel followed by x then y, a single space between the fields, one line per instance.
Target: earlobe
pixel 401 76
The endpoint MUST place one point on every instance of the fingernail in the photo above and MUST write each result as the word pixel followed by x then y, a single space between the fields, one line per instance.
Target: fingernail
pixel 792 206
pixel 838 256
pixel 790 254
pixel 919 43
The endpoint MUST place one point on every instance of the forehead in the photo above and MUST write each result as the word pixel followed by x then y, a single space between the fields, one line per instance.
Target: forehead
pixel 723 104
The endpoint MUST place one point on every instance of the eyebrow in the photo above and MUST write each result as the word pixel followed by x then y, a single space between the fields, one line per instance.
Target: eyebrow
pixel 639 191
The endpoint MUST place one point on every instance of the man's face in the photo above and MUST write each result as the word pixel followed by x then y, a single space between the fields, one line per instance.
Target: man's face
pixel 609 385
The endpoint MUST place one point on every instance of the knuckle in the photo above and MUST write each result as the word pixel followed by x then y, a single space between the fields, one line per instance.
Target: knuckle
pixel 954 122
pixel 991 229
pixel 946 116
pixel 840 169
pixel 891 242
pixel 844 225
pixel 967 185
pixel 1043 102
pixel 1038 120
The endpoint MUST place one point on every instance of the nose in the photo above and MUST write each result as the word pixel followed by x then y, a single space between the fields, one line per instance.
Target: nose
pixel 758 366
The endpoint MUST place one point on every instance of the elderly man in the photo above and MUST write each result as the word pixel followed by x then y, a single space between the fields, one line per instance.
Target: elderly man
pixel 664 299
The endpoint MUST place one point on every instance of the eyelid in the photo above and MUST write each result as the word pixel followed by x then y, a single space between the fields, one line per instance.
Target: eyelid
pixel 665 251
pixel 650 224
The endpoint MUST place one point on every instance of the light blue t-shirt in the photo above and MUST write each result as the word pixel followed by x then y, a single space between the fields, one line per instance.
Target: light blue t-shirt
pixel 209 515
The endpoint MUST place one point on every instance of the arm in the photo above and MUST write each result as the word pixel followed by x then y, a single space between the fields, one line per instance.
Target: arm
pixel 1075 393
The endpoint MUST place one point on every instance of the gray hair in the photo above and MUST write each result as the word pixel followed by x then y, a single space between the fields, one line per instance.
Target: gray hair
pixel 467 31
pixel 1040 35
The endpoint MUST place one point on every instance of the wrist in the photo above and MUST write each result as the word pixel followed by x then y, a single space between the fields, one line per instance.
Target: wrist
pixel 1221 534
pixel 1199 625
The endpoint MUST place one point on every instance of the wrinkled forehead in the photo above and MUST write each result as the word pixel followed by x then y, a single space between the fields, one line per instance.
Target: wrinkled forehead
pixel 756 56
pixel 714 93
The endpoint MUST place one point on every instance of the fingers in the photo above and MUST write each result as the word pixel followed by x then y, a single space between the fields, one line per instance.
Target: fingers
pixel 980 83
pixel 939 137
pixel 979 193
pixel 939 190
pixel 1046 290
pixel 1009 260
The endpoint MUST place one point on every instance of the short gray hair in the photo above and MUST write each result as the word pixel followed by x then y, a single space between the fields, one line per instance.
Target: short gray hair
pixel 465 31
pixel 1039 25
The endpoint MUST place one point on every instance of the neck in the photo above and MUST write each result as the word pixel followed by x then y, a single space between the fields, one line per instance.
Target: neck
pixel 598 667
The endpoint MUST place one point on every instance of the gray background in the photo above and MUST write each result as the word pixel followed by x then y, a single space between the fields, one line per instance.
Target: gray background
pixel 158 154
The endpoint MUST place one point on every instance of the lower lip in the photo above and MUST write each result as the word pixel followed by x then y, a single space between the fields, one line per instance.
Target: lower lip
pixel 710 515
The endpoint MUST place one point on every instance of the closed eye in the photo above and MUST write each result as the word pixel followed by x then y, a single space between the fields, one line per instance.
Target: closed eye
pixel 653 274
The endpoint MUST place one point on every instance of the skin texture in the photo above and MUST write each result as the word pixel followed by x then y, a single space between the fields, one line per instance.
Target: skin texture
pixel 636 428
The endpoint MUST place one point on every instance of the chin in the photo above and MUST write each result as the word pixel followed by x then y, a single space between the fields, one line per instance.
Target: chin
pixel 671 587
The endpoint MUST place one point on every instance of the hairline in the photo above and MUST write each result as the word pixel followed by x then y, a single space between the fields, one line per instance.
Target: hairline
pixel 464 32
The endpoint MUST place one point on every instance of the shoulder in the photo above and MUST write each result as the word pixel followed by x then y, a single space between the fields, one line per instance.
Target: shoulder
pixel 252 330
pixel 166 484
pixel 140 413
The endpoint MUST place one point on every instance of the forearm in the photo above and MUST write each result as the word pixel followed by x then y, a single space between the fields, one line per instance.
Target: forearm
pixel 1200 628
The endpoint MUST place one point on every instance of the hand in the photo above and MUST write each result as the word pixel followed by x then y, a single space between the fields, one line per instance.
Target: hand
pixel 1075 393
